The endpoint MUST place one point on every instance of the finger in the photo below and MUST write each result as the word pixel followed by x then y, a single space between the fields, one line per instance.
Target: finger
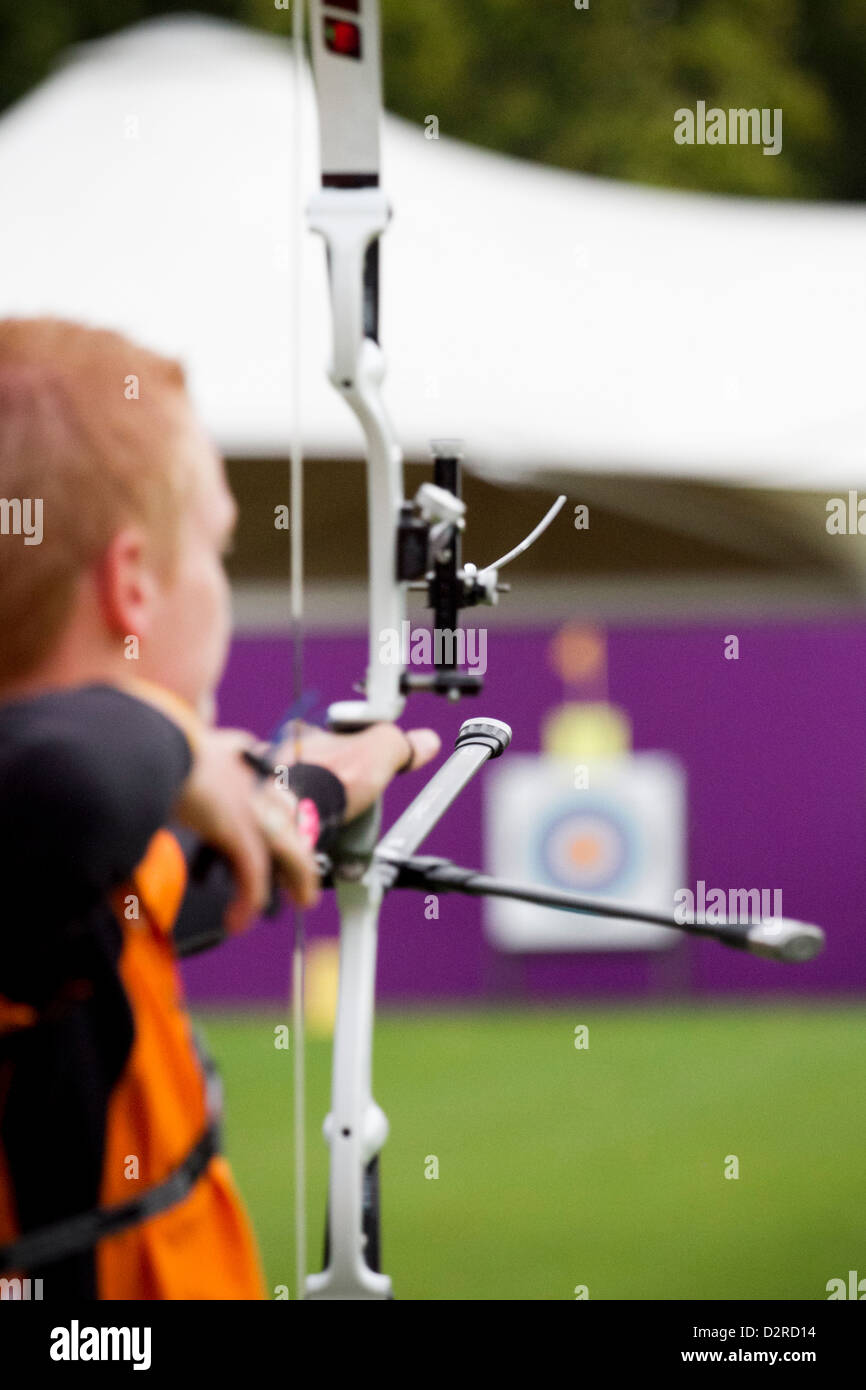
pixel 251 867
pixel 239 736
pixel 393 749
pixel 237 740
pixel 298 873
pixel 276 812
pixel 425 744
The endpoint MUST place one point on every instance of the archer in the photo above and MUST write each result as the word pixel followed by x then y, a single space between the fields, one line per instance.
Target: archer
pixel 132 830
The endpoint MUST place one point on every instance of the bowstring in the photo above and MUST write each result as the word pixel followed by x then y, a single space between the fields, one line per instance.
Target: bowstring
pixel 296 527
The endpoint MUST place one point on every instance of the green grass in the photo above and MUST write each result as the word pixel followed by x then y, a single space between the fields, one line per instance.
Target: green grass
pixel 560 1167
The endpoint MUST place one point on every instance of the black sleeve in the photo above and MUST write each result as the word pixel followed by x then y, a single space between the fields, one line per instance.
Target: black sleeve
pixel 87 777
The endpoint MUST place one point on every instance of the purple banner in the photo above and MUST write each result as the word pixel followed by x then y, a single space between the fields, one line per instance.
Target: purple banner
pixel 774 744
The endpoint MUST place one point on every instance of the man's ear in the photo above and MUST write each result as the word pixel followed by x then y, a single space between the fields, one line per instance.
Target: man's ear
pixel 126 583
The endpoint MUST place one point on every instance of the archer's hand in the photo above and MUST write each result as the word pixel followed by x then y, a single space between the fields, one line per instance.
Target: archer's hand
pixel 251 822
pixel 364 762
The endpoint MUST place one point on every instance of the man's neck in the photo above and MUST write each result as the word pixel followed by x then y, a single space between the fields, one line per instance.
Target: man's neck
pixel 57 676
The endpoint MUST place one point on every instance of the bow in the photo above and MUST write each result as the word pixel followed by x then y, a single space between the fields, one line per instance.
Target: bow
pixel 411 543
pixel 350 212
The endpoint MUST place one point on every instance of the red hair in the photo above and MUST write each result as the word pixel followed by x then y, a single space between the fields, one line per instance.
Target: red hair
pixel 90 425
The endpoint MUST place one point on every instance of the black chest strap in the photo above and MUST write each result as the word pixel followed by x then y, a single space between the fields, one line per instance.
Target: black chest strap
pixel 73 1234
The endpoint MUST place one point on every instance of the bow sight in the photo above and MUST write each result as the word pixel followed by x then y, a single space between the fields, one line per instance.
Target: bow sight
pixel 429 544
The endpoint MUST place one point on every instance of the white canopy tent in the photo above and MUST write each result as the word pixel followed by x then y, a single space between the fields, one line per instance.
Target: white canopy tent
pixel 555 321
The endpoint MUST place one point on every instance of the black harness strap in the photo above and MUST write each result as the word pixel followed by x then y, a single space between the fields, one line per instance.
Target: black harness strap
pixel 76 1233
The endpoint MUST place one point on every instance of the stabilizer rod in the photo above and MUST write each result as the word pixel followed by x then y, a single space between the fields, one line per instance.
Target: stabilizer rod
pixel 776 938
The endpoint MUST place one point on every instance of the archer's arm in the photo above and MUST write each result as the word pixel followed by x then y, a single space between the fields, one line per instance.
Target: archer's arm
pixel 87 777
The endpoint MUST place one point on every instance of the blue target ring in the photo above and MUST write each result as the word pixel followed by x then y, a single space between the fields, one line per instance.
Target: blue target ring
pixel 590 848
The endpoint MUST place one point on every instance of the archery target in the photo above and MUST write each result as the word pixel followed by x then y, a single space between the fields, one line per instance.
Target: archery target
pixel 621 838
pixel 588 851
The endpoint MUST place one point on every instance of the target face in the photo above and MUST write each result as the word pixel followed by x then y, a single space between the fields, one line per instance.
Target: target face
pixel 592 850
pixel 620 838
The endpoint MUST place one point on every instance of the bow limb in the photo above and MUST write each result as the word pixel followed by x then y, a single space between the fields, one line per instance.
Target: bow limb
pixel 350 212
pixel 350 220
